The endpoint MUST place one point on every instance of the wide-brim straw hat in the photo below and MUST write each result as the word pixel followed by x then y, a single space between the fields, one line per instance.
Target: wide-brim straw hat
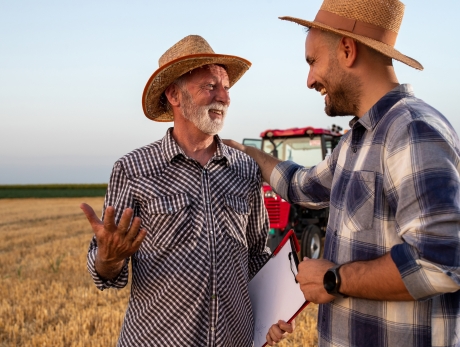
pixel 375 23
pixel 189 53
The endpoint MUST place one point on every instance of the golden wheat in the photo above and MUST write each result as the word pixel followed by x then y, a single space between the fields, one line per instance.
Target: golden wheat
pixel 47 298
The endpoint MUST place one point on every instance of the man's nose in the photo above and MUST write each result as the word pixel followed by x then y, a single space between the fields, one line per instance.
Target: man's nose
pixel 223 96
pixel 310 80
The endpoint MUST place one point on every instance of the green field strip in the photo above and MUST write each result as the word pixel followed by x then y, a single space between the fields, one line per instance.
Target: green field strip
pixel 52 191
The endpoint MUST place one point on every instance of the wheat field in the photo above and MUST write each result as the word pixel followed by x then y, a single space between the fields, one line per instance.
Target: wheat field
pixel 47 298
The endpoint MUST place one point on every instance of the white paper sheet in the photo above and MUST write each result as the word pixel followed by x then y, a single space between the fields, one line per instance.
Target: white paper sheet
pixel 274 294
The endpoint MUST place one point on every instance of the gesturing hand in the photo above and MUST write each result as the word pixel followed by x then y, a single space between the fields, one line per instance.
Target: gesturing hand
pixel 115 243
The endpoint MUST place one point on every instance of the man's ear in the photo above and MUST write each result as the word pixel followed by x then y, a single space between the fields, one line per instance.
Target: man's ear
pixel 347 51
pixel 172 94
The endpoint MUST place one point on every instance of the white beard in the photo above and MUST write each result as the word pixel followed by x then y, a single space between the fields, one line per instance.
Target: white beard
pixel 199 115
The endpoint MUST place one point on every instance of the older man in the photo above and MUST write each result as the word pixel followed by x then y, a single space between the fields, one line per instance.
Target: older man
pixel 391 273
pixel 187 210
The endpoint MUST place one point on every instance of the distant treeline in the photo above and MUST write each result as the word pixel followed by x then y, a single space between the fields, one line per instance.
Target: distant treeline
pixel 51 190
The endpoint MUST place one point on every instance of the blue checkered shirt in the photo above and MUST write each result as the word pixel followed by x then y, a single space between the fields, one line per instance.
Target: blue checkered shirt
pixel 392 185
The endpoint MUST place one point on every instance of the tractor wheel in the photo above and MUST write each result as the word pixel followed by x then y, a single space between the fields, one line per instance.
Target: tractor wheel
pixel 310 244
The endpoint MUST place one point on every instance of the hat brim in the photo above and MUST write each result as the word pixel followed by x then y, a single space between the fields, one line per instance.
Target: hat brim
pixel 381 47
pixel 155 109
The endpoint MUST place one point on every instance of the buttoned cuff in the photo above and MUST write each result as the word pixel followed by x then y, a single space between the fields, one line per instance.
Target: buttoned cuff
pixel 119 282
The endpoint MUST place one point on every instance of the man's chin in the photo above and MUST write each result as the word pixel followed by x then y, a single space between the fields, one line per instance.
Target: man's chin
pixel 331 112
pixel 211 129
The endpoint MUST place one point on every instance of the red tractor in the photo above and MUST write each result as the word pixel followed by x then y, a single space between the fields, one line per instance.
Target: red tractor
pixel 307 147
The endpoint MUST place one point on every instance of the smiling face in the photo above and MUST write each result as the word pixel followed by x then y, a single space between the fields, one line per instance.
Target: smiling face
pixel 342 90
pixel 205 98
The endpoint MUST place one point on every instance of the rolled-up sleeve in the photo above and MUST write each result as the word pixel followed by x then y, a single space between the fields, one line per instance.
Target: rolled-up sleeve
pixel 423 185
pixel 119 196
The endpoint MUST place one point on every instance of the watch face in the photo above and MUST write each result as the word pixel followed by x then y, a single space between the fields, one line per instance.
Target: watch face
pixel 329 281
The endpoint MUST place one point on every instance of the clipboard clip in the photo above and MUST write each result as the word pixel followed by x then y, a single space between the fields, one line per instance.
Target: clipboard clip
pixel 290 262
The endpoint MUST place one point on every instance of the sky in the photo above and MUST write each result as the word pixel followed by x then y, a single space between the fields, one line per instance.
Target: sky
pixel 72 74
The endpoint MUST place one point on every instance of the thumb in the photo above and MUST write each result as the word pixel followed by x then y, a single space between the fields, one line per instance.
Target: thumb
pixel 90 215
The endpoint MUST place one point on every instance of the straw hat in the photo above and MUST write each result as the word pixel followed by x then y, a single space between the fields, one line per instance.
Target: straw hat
pixel 374 23
pixel 189 53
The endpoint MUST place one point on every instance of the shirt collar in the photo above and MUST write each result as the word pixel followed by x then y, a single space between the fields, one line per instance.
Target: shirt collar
pixel 171 149
pixel 372 117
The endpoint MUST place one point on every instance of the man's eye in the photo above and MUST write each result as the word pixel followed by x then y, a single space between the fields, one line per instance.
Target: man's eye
pixel 210 86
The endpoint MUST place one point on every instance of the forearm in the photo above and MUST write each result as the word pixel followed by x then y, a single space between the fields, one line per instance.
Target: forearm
pixel 377 279
pixel 265 161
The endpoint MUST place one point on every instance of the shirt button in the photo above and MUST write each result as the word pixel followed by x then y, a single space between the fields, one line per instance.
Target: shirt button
pixel 212 328
pixel 169 209
pixel 355 149
pixel 211 232
pixel 213 296
pixel 207 201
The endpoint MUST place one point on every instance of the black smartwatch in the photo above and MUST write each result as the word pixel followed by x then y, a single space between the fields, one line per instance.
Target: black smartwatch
pixel 332 281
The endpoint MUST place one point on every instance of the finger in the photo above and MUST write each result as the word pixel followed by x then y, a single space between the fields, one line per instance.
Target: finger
pixel 134 229
pixel 138 240
pixel 109 219
pixel 125 220
pixel 275 333
pixel 234 144
pixel 90 215
pixel 269 340
pixel 286 327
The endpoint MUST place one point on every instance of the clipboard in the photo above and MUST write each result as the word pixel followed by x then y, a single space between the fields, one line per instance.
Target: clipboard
pixel 274 291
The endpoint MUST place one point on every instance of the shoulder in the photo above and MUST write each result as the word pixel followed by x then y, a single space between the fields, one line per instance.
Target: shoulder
pixel 144 161
pixel 415 120
pixel 242 164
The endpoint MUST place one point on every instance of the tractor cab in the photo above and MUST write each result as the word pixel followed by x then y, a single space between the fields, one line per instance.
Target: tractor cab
pixel 307 147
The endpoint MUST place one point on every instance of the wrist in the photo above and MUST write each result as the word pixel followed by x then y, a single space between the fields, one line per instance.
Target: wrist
pixel 332 282
pixel 108 264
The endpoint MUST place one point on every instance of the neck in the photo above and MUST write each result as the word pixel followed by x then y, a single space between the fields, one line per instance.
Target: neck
pixel 196 144
pixel 377 77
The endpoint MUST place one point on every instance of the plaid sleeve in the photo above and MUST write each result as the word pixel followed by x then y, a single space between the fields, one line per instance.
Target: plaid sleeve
pixel 306 187
pixel 257 231
pixel 423 188
pixel 118 195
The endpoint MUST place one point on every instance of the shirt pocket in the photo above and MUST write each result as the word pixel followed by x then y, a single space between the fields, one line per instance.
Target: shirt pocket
pixel 359 201
pixel 170 221
pixel 237 214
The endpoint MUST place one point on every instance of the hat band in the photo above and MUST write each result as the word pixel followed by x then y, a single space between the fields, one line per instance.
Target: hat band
pixel 356 27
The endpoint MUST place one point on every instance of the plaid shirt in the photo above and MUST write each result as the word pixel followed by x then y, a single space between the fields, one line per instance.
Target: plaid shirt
pixel 392 185
pixel 206 234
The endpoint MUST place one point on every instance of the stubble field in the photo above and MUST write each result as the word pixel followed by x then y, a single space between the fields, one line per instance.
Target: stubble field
pixel 47 298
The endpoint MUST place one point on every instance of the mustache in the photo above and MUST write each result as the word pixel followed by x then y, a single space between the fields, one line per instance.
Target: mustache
pixel 318 86
pixel 216 106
